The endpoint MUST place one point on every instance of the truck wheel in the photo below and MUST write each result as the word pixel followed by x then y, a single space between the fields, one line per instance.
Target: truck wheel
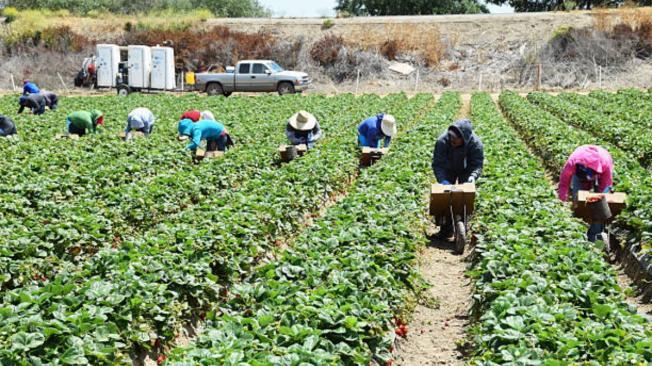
pixel 285 88
pixel 214 89
pixel 123 90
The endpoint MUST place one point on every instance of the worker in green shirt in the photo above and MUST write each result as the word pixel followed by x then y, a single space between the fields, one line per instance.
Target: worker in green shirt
pixel 80 122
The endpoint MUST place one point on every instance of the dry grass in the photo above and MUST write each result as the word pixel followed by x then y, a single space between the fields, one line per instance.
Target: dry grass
pixel 422 39
pixel 606 19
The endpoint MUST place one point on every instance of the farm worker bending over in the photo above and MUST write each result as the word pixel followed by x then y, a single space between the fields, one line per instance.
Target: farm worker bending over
pixel 51 99
pixel 7 126
pixel 81 121
pixel 35 102
pixel 373 129
pixel 30 88
pixel 458 155
pixel 303 128
pixel 207 115
pixel 589 167
pixel 192 115
pixel 141 120
pixel 213 132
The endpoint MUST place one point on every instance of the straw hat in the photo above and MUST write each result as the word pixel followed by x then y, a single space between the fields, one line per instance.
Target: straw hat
pixel 388 125
pixel 302 121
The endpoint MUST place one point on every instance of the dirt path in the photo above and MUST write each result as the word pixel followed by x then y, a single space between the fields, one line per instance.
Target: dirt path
pixel 625 282
pixel 435 331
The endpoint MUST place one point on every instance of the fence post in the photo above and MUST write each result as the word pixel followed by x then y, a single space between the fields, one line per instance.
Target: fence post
pixel 64 84
pixel 600 77
pixel 416 83
pixel 357 82
pixel 480 82
pixel 13 83
pixel 538 77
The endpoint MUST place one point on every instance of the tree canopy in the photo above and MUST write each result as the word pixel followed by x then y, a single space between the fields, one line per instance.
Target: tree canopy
pixel 221 8
pixel 410 7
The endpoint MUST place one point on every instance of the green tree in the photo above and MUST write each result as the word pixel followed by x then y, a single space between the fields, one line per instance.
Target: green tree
pixel 222 8
pixel 550 5
pixel 410 7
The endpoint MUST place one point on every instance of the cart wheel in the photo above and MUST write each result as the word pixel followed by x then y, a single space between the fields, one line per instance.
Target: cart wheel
pixel 460 237
pixel 123 90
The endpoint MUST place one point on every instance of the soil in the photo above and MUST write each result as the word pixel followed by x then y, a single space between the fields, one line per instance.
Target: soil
pixel 644 309
pixel 436 331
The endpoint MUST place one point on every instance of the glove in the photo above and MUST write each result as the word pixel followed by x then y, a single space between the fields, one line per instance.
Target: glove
pixel 445 182
pixel 471 179
pixel 608 190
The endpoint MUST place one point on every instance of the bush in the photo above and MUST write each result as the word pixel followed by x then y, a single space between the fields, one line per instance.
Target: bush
pixel 326 50
pixel 10 14
pixel 390 49
pixel 327 24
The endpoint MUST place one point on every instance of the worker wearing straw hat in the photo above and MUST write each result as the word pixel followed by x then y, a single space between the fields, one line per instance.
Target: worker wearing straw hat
pixel 373 129
pixel 303 128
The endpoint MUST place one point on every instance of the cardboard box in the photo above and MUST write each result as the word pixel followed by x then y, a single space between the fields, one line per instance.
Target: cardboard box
pixel 458 196
pixel 183 138
pixel 286 157
pixel 616 201
pixel 134 134
pixel 370 156
pixel 71 136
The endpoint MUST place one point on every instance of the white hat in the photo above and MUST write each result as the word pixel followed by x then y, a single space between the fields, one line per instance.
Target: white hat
pixel 388 125
pixel 207 115
pixel 302 121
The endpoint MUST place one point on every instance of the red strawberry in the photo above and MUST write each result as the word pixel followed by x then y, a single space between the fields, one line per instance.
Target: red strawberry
pixel 160 359
pixel 389 363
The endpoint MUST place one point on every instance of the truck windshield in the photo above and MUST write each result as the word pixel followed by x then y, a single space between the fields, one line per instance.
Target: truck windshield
pixel 275 67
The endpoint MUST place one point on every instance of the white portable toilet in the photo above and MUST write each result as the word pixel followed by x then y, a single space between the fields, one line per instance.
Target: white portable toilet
pixel 163 68
pixel 108 58
pixel 140 66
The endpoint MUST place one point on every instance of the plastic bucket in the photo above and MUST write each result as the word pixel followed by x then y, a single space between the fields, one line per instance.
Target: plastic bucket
pixel 600 210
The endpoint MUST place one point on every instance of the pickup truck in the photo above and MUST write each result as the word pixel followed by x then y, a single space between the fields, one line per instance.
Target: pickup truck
pixel 253 76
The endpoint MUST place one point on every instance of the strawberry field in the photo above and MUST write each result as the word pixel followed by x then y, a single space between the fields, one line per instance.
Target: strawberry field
pixel 110 250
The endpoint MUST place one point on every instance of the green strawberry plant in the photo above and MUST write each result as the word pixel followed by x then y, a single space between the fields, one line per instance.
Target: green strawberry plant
pixel 543 295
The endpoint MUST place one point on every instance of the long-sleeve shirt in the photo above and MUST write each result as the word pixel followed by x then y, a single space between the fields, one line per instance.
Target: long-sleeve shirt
pixel 298 137
pixel 458 163
pixel 371 131
pixel 7 126
pixel 140 118
pixel 30 88
pixel 590 156
pixel 51 99
pixel 84 120
pixel 35 102
pixel 202 130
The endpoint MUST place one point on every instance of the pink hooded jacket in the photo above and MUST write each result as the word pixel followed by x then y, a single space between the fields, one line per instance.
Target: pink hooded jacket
pixel 593 157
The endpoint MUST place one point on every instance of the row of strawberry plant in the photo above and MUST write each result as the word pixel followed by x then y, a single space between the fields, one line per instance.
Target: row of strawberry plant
pixel 107 210
pixel 151 285
pixel 628 136
pixel 554 141
pixel 628 106
pixel 331 299
pixel 543 295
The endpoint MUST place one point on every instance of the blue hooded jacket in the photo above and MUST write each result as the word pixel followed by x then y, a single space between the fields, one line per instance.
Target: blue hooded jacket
pixel 458 164
pixel 202 130
pixel 371 131
pixel 30 88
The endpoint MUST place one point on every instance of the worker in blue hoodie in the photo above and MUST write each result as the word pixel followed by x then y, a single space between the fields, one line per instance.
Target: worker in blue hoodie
pixel 30 88
pixel 215 134
pixel 458 158
pixel 376 128
pixel 7 127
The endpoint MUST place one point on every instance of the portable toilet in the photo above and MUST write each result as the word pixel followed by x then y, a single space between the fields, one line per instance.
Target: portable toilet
pixel 108 58
pixel 140 66
pixel 163 68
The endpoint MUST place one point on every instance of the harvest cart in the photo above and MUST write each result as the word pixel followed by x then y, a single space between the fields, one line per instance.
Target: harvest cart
pixel 290 152
pixel 454 203
pixel 370 156
pixel 600 208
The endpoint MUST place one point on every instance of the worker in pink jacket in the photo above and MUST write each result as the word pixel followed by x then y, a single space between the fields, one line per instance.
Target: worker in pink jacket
pixel 589 168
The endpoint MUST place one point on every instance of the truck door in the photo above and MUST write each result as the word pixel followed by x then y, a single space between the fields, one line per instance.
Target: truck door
pixel 243 77
pixel 261 79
